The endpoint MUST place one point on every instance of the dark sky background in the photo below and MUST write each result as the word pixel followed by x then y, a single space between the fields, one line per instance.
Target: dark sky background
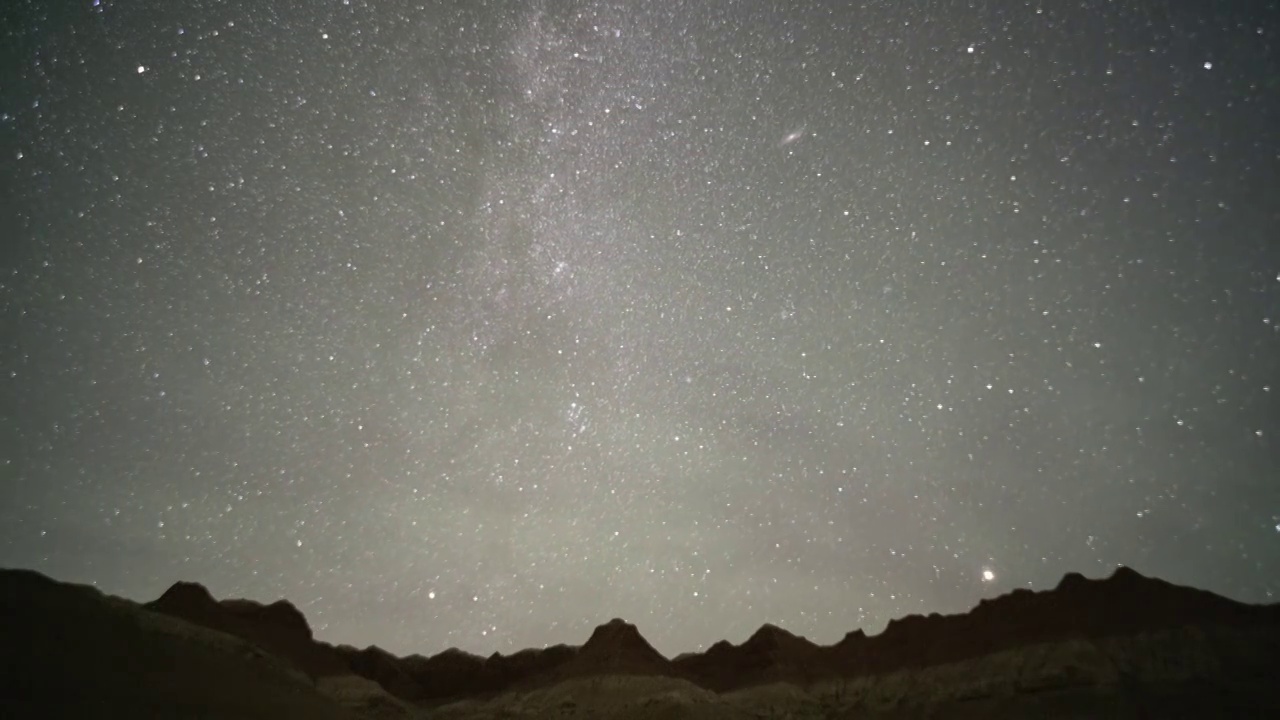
pixel 477 324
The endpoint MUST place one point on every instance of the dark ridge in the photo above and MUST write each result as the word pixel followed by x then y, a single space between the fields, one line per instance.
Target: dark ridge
pixel 70 651
pixel 280 614
pixel 383 668
pixel 279 628
pixel 771 654
pixel 1125 603
pixel 452 673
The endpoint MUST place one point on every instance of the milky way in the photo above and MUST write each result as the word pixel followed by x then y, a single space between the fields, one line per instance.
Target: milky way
pixel 478 324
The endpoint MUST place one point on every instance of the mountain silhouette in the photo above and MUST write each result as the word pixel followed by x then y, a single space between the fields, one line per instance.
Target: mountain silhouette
pixel 1122 646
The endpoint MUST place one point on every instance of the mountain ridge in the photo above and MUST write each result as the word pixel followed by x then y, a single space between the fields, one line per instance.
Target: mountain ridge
pixel 1091 638
pixel 1125 602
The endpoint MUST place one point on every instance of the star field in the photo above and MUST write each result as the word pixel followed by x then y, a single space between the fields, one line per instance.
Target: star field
pixel 477 324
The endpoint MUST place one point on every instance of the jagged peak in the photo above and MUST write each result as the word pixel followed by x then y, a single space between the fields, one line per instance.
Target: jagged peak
pixel 720 646
pixel 771 629
pixel 1124 573
pixel 455 652
pixel 770 634
pixel 853 637
pixel 615 628
pixel 1074 581
pixel 379 652
pixel 905 621
pixel 187 592
pixel 281 613
pixel 619 636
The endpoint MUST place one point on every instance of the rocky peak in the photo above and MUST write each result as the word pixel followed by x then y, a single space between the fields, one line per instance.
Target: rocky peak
pixel 772 637
pixel 188 595
pixel 618 647
pixel 279 627
pixel 618 637
pixel 280 615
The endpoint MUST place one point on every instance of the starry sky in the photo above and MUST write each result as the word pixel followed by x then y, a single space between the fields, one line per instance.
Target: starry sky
pixel 477 324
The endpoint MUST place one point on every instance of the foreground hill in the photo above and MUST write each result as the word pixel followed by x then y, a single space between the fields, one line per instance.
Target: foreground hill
pixel 1124 646
pixel 71 652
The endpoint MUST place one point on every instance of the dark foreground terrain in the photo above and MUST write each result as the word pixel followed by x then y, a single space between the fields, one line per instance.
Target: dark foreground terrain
pixel 1126 646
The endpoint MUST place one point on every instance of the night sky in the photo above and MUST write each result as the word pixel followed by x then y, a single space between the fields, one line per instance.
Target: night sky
pixel 478 324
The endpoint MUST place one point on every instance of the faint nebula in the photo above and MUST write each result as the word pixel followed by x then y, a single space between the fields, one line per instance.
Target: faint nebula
pixel 792 136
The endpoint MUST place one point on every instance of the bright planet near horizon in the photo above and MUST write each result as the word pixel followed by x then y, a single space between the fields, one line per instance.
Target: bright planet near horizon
pixel 479 324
